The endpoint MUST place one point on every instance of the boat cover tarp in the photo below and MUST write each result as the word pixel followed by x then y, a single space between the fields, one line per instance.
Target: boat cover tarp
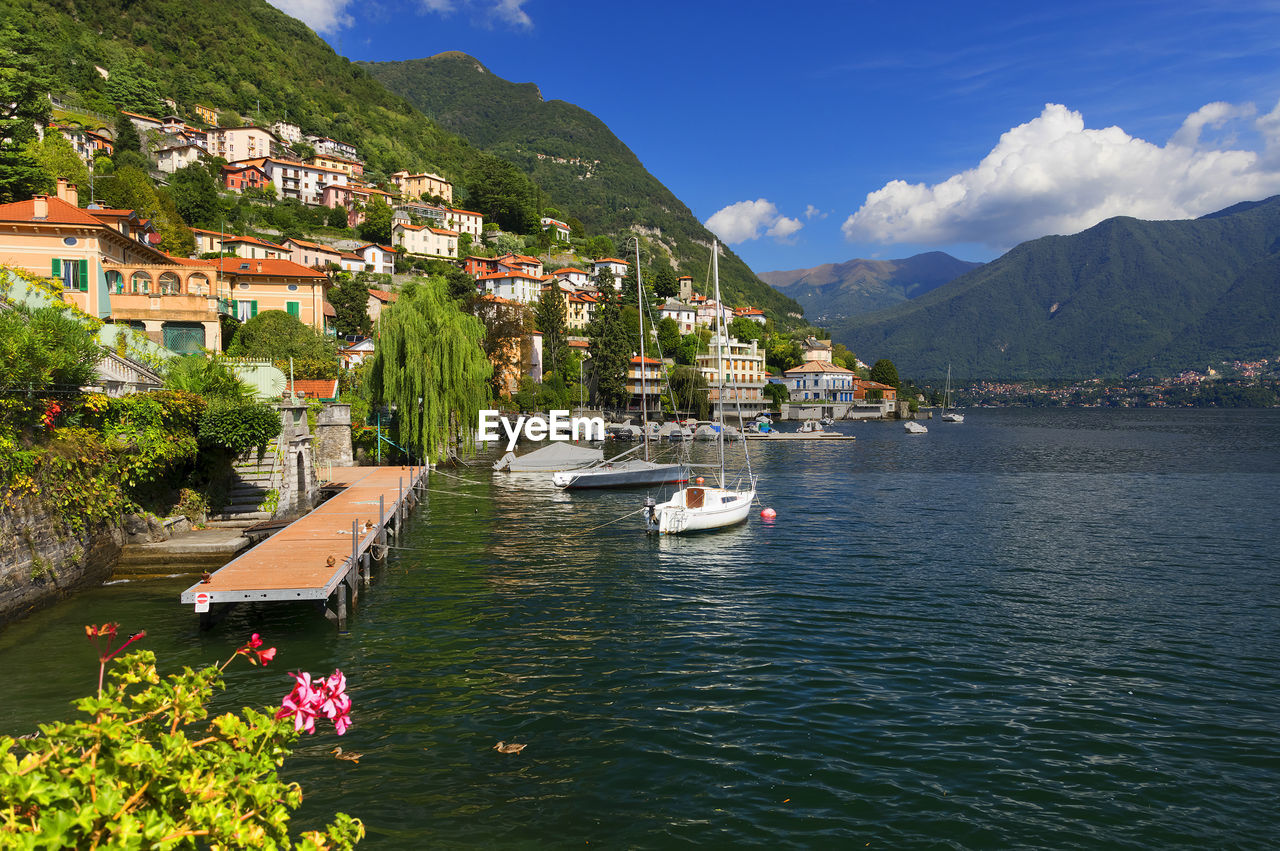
pixel 551 458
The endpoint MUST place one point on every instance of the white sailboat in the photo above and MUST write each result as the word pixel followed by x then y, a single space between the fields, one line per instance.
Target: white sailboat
pixel 949 416
pixel 699 507
pixel 619 471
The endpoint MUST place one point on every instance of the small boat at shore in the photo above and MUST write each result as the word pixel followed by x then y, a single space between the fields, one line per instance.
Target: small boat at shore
pixel 552 458
pixel 809 430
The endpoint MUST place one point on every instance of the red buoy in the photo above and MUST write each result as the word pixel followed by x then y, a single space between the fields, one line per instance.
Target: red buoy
pixel 768 513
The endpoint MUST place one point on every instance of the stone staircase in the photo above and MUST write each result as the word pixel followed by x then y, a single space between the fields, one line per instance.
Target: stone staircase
pixel 252 481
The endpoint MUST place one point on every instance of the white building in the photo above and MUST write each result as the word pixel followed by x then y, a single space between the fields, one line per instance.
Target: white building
pixel 575 277
pixel 513 286
pixel 560 228
pixel 378 258
pixel 287 132
pixel 614 266
pixel 325 145
pixel 682 314
pixel 240 143
pixel 821 381
pixel 171 159
pixel 465 221
pixel 426 240
pixel 306 183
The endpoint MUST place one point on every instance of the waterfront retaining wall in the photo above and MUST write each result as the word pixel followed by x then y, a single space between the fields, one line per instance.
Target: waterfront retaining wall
pixel 42 560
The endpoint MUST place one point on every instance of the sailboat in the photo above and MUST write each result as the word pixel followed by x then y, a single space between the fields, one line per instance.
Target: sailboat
pixel 697 507
pixel 949 416
pixel 620 471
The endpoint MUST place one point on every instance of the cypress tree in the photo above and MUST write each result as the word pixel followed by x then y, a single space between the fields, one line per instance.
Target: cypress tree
pixel 429 364
pixel 551 322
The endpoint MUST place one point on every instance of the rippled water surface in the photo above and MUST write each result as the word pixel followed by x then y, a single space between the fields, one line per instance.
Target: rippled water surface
pixel 1037 628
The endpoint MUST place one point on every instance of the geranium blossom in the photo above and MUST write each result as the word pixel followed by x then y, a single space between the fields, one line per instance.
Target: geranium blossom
pixel 309 701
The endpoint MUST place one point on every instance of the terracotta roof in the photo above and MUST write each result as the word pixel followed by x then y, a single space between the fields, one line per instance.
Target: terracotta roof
pixel 569 271
pixel 315 388
pixel 636 359
pixel 578 344
pixel 212 232
pixel 494 276
pixel 443 232
pixel 406 226
pixel 138 115
pixel 266 267
pixel 818 366
pixel 383 296
pixel 314 246
pixel 611 260
pixel 253 240
pixel 467 212
pixel 60 213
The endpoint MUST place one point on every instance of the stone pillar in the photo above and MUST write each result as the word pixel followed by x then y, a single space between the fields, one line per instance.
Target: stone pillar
pixel 154 329
pixel 333 436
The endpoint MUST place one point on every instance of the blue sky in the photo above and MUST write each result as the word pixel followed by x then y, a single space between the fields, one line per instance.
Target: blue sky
pixel 811 133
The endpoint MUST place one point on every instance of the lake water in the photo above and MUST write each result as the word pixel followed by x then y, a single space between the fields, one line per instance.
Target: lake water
pixel 1050 628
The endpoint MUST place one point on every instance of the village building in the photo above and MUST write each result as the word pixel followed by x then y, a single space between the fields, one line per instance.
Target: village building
pixel 647 375
pixel 577 278
pixel 206 114
pixel 87 144
pixel 209 241
pixel 615 267
pixel 755 314
pixel 516 287
pixel 745 376
pixel 238 178
pixel 312 254
pixel 579 310
pixel 425 185
pixel 255 286
pixel 821 381
pixel 169 160
pixel 252 248
pixel 234 144
pixel 352 168
pixel 332 147
pixel 558 228
pixel 378 258
pixel 426 240
pixel 682 314
pixel 379 300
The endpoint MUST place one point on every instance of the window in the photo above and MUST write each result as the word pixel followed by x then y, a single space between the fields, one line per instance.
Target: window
pixel 293 308
pixel 246 310
pixel 293 288
pixel 74 273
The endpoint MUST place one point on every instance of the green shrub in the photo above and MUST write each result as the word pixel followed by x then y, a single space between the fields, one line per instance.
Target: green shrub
pixel 239 426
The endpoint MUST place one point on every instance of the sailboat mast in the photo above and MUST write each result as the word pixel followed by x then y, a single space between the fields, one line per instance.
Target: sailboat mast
pixel 720 331
pixel 644 398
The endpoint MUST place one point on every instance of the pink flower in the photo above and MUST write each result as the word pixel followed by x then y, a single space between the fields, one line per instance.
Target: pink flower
pixel 309 701
pixel 265 656
pixel 255 641
pixel 250 649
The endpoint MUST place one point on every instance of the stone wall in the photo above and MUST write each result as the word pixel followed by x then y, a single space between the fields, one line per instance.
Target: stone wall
pixel 333 436
pixel 41 560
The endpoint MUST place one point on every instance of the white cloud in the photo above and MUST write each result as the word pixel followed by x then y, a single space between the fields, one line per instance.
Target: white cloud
pixel 323 16
pixel 485 13
pixel 811 211
pixel 1052 175
pixel 748 219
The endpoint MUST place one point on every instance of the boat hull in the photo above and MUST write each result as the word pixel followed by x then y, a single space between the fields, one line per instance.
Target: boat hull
pixel 699 509
pixel 627 474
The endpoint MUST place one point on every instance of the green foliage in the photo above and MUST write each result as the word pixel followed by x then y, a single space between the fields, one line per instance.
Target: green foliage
pixel 429 364
pixel 127 138
pixel 23 84
pixel 689 388
pixel 506 335
pixel 664 282
pixel 784 353
pixel 145 767
pixel 57 158
pixel 195 196
pixel 376 226
pixel 884 372
pixel 206 377
pixel 668 336
pixel 610 350
pixel 239 426
pixel 337 217
pixel 278 336
pixel 552 324
pixel 46 349
pixel 777 394
pixel 350 300
pixel 503 193
pixel 745 329
pixel 131 188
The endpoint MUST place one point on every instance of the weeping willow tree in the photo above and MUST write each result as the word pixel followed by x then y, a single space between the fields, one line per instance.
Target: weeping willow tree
pixel 429 363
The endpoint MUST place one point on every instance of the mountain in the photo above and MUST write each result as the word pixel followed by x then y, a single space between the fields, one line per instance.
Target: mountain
pixel 835 291
pixel 234 55
pixel 1123 296
pixel 586 171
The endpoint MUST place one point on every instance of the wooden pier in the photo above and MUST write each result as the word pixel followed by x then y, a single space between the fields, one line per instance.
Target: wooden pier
pixel 324 555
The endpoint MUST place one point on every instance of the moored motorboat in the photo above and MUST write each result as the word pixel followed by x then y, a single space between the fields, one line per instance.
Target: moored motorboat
pixel 913 427
pixel 552 458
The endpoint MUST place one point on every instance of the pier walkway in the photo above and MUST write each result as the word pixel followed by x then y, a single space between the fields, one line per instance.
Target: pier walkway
pixel 323 555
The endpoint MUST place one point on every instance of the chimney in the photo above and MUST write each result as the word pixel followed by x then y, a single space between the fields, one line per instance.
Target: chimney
pixel 73 196
pixel 40 208
pixel 62 188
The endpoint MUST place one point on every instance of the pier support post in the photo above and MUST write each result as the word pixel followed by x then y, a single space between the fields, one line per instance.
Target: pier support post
pixel 341 591
pixel 353 582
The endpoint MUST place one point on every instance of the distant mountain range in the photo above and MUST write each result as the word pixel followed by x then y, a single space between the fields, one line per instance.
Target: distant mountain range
pixel 1124 296
pixel 836 291
pixel 585 170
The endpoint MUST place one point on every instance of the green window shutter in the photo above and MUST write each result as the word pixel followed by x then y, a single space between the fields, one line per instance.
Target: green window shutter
pixel 57 268
pixel 294 308
pixel 253 308
pixel 84 275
